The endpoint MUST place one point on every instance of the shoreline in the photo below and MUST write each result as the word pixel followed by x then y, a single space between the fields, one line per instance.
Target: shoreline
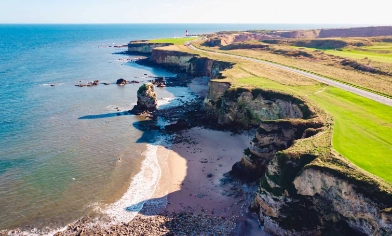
pixel 191 181
pixel 190 200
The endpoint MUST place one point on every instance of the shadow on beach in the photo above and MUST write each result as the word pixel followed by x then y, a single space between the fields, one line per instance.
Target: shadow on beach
pixel 202 196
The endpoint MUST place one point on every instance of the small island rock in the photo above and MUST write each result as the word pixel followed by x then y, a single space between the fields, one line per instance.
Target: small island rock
pixel 146 99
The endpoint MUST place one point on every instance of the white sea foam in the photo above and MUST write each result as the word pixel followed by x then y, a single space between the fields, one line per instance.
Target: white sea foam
pixel 141 188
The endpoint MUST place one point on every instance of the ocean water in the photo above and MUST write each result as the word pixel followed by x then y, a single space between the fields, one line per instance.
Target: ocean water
pixel 60 146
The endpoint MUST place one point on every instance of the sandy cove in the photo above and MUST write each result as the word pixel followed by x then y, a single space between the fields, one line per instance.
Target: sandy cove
pixel 202 200
pixel 197 167
pixel 198 163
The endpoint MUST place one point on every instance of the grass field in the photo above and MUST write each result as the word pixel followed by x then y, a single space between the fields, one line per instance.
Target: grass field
pixel 362 127
pixel 381 52
pixel 357 54
pixel 362 130
pixel 175 41
pixel 379 47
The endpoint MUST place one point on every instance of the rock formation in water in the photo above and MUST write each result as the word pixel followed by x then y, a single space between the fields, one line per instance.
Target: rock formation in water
pixel 122 82
pixel 146 99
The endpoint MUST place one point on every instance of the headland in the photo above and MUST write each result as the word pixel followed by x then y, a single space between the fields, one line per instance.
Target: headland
pixel 263 150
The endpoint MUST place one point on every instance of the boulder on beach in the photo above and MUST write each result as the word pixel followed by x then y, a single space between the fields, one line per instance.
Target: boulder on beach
pixel 146 99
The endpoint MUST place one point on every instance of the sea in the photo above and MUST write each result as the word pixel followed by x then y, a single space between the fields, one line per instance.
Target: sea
pixel 67 151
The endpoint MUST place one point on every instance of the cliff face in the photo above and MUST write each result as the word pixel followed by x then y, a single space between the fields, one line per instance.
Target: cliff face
pixel 144 47
pixel 362 214
pixel 248 108
pixel 294 199
pixel 189 63
pixel 307 34
pixel 334 33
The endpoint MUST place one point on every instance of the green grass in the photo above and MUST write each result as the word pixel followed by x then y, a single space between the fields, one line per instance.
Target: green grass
pixel 362 128
pixel 357 54
pixel 381 46
pixel 175 41
pixel 371 52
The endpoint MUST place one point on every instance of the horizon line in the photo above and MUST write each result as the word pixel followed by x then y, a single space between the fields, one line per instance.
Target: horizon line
pixel 177 23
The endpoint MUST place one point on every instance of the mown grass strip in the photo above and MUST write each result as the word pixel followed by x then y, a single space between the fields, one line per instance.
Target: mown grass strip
pixel 175 41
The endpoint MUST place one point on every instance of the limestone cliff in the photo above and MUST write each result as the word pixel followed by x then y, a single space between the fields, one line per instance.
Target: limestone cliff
pixel 299 197
pixel 188 63
pixel 144 47
pixel 248 108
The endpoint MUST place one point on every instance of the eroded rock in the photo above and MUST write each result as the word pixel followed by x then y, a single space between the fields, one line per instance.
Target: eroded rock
pixel 146 99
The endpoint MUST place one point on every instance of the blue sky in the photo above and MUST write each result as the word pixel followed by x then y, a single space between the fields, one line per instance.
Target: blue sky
pixel 375 12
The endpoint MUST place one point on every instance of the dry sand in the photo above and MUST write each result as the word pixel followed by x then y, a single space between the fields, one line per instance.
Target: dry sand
pixel 197 165
pixel 198 162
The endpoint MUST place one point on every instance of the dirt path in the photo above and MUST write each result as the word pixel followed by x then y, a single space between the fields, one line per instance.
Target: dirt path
pixel 360 92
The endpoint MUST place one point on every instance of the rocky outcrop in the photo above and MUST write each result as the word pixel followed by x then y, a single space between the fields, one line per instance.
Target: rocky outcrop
pixel 146 99
pixel 122 82
pixel 272 137
pixel 142 46
pixel 247 108
pixel 89 84
pixel 191 64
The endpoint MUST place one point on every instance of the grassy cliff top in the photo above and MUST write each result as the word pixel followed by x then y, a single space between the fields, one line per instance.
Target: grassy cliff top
pixel 175 41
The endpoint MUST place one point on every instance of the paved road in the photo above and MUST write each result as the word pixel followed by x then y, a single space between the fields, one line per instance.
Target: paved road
pixel 360 92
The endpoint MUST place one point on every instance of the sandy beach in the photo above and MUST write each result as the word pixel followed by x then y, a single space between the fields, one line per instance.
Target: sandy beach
pixel 201 198
pixel 197 166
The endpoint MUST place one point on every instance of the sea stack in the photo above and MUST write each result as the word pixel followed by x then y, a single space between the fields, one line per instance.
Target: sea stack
pixel 146 99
